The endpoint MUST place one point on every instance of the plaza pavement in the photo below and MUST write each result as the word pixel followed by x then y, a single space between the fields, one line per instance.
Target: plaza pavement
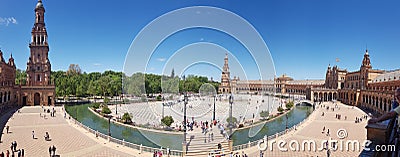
pixel 243 108
pixel 69 139
pixel 312 130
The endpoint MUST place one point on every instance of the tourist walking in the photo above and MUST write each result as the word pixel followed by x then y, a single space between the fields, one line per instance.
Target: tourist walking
pixel 15 146
pixel 54 150
pixel 50 149
pixel 328 153
pixel 33 134
pixel 7 128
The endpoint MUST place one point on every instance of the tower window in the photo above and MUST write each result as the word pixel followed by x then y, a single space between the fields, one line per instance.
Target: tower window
pixel 38 78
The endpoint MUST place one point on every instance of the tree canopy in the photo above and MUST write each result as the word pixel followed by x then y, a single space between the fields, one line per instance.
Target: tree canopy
pixel 74 82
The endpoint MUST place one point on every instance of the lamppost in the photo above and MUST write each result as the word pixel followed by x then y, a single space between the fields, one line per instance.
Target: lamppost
pixel 215 97
pixel 116 105
pixel 268 102
pixel 185 102
pixel 230 125
pixel 109 130
pixel 286 121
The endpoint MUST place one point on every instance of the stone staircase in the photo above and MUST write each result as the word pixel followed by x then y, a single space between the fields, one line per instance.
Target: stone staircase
pixel 200 145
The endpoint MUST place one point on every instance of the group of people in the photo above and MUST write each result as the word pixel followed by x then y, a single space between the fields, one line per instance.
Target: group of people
pixel 339 116
pixel 231 154
pixel 358 120
pixel 20 153
pixel 52 150
pixel 157 154
pixel 13 147
pixel 52 112
pixel 327 131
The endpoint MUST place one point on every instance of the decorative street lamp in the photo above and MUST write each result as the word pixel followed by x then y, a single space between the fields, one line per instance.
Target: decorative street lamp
pixel 116 105
pixel 268 102
pixel 286 122
pixel 185 100
pixel 230 125
pixel 215 97
pixel 109 130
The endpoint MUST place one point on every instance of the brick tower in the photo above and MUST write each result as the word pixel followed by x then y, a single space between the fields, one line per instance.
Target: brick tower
pixel 225 86
pixel 39 89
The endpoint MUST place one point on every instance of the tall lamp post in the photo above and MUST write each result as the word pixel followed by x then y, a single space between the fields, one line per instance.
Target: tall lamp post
pixel 286 122
pixel 185 102
pixel 116 105
pixel 109 130
pixel 230 125
pixel 215 97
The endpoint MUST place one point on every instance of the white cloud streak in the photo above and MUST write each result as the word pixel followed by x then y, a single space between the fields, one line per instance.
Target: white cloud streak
pixel 161 59
pixel 8 20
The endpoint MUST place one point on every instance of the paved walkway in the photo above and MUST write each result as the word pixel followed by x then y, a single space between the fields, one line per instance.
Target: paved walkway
pixel 312 130
pixel 72 140
pixel 69 139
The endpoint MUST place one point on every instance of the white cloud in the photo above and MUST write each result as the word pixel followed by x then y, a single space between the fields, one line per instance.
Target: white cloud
pixel 96 64
pixel 161 59
pixel 7 20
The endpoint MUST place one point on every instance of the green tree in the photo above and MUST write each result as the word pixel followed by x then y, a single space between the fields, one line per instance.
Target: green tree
pixel 233 120
pixel 20 77
pixel 96 105
pixel 104 84
pixel 264 114
pixel 280 109
pixel 172 73
pixel 105 110
pixel 289 105
pixel 106 100
pixel 126 118
pixel 167 120
pixel 74 69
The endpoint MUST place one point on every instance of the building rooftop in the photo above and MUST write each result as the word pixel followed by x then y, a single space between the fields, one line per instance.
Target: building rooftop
pixel 305 82
pixel 388 76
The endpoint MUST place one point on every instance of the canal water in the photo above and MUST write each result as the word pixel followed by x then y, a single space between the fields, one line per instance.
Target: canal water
pixel 174 141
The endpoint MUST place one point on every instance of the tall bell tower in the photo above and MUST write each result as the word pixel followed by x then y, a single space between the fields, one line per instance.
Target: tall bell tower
pixel 39 89
pixel 38 67
pixel 225 86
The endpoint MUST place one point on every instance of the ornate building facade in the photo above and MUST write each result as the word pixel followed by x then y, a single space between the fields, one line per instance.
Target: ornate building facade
pixel 282 84
pixel 8 89
pixel 366 87
pixel 38 90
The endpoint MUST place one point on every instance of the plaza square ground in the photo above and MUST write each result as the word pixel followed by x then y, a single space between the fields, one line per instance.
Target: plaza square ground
pixel 71 140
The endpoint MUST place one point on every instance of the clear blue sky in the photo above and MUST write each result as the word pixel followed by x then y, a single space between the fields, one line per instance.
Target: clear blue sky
pixel 303 36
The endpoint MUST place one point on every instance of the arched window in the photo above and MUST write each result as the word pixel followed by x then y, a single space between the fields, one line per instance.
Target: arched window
pixel 38 78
